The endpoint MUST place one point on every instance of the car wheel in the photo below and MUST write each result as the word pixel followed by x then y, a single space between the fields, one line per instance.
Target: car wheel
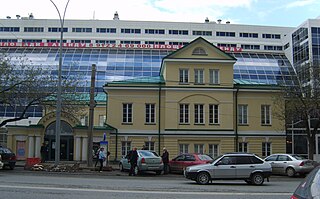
pixel 121 167
pixel 203 178
pixel 290 172
pixel 257 179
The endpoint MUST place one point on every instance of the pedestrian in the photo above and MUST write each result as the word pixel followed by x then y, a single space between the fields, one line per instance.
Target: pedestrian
pixel 165 160
pixel 102 158
pixel 43 152
pixel 133 159
pixel 97 157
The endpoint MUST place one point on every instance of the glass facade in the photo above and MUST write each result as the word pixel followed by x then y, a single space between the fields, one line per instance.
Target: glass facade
pixel 123 64
pixel 315 34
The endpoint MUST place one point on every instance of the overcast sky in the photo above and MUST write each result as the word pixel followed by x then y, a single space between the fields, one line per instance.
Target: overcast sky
pixel 255 12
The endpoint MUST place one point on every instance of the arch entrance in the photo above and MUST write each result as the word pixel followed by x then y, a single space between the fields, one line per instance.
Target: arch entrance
pixel 66 141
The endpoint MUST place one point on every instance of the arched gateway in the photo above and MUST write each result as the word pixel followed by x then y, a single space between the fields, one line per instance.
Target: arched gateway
pixel 66 141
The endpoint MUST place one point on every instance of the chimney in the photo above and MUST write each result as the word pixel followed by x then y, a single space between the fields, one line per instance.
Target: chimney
pixel 116 16
pixel 206 20
pixel 219 21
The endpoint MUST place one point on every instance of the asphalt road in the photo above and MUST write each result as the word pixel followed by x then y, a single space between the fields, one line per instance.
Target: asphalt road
pixel 19 184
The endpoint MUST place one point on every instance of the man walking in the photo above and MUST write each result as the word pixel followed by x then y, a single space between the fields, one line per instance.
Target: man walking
pixel 133 159
pixel 165 160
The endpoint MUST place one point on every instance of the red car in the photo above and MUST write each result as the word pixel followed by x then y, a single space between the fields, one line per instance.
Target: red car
pixel 182 161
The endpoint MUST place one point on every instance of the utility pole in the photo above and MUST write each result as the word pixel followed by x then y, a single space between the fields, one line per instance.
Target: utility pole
pixel 59 100
pixel 91 115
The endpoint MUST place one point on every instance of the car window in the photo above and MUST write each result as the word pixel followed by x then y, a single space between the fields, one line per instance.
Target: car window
pixel 284 158
pixel 179 158
pixel 147 154
pixel 298 157
pixel 255 160
pixel 243 160
pixel 272 158
pixel 227 160
pixel 204 157
pixel 189 158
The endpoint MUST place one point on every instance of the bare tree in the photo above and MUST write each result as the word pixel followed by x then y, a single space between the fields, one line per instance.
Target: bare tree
pixel 24 85
pixel 302 103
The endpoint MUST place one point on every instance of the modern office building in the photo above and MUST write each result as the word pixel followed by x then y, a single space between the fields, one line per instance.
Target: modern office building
pixel 127 50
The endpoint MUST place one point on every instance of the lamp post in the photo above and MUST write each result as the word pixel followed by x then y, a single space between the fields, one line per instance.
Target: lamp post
pixel 58 111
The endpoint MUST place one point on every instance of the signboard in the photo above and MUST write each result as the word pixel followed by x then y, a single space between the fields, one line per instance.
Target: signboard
pixel 99 45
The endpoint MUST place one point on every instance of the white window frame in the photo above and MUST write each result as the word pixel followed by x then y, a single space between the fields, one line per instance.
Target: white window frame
pixel 214 150
pixel 199 114
pixel 127 109
pixel 214 76
pixel 102 120
pixel 183 148
pixel 265 114
pixel 150 114
pixel 125 147
pixel 150 145
pixel 184 113
pixel 198 76
pixel 184 76
pixel 242 114
pixel 243 147
pixel 214 114
pixel 199 148
pixel 266 149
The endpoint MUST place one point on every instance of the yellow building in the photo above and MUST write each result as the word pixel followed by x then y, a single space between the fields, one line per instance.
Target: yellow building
pixel 195 105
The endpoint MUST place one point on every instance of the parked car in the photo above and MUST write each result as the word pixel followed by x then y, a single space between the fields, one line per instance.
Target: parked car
pixel 147 161
pixel 232 166
pixel 8 157
pixel 290 164
pixel 309 187
pixel 1 163
pixel 179 163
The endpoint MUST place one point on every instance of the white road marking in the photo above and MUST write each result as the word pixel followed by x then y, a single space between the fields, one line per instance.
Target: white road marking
pixel 143 192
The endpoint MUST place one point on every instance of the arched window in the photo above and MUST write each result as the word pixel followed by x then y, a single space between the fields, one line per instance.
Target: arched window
pixel 66 129
pixel 199 51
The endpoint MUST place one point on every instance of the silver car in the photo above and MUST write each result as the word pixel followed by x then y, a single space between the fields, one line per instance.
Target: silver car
pixel 233 166
pixel 147 161
pixel 290 164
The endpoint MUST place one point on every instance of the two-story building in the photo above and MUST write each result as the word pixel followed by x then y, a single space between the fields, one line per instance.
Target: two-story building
pixel 195 105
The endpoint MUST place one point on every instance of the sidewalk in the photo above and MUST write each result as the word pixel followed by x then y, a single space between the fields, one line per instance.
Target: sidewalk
pixel 75 166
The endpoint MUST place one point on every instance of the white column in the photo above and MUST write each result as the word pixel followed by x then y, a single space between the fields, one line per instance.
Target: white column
pixel 37 147
pixel 78 149
pixel 84 149
pixel 31 147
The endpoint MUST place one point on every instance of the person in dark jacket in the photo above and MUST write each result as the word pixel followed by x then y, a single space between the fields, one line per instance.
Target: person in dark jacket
pixel 165 160
pixel 133 159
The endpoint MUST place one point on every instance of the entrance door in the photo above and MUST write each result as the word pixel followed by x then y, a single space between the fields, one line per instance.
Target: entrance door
pixel 66 141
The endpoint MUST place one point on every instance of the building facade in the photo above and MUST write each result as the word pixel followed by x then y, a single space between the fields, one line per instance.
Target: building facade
pixel 123 50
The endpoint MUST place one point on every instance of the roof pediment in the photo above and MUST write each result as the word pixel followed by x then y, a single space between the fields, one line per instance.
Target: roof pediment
pixel 200 49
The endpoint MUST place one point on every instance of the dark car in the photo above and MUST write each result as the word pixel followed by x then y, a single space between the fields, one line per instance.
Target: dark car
pixel 8 157
pixel 182 161
pixel 309 187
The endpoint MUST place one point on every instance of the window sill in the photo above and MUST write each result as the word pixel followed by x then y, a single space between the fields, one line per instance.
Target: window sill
pixel 127 123
pixel 149 123
pixel 243 124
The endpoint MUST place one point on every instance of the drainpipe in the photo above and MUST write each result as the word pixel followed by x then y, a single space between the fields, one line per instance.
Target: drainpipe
pixel 159 119
pixel 236 127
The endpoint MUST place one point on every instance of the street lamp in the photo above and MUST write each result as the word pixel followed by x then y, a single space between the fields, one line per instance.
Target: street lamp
pixel 58 111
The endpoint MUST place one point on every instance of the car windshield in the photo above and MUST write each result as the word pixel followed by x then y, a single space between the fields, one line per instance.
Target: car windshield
pixel 5 150
pixel 148 154
pixel 204 157
pixel 298 157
